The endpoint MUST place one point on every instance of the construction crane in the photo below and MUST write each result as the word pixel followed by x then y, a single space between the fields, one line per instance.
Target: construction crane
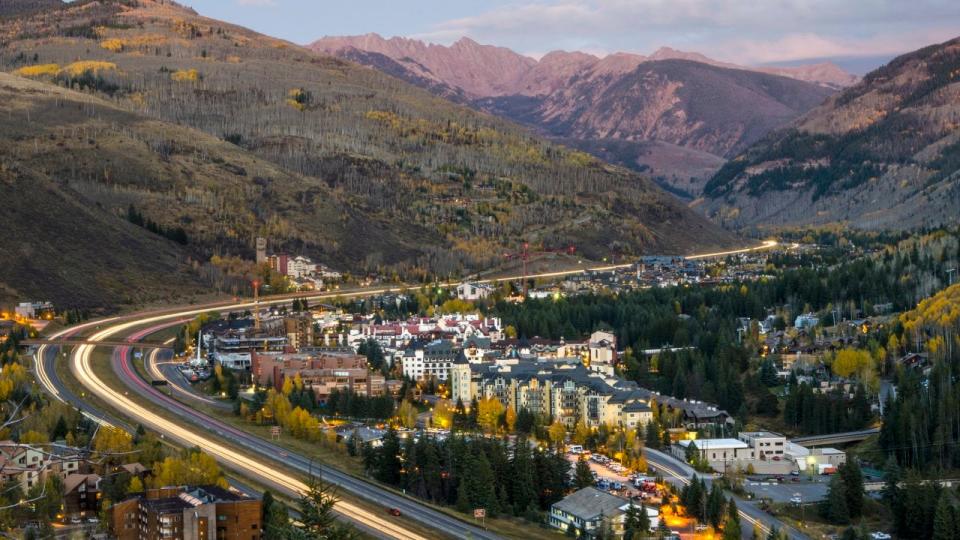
pixel 525 253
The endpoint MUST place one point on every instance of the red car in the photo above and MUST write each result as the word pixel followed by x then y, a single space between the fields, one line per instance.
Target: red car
pixel 394 512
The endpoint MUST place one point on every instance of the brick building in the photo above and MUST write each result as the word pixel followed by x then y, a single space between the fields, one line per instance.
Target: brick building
pixel 321 372
pixel 187 513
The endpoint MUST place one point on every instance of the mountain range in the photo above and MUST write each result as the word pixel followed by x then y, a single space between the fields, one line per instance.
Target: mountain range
pixel 144 147
pixel 884 153
pixel 678 115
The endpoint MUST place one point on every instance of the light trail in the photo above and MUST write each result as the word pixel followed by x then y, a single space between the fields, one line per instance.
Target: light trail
pixel 82 369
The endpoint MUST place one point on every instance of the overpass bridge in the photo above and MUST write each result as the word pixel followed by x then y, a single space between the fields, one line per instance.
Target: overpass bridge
pixel 76 342
pixel 835 438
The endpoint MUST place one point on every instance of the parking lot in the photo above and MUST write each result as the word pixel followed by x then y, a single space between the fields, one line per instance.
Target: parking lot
pixel 809 490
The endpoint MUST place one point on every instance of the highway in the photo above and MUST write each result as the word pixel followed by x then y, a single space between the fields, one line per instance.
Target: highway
pixel 203 431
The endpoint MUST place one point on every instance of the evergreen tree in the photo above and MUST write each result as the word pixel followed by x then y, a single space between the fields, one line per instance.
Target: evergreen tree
pixel 583 476
pixel 731 529
pixel 716 507
pixel 834 507
pixel 853 488
pixel 523 488
pixel 316 512
pixel 945 519
pixel 636 522
pixel 387 464
pixel 652 436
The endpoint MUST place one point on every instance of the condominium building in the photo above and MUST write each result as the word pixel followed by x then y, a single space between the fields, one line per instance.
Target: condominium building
pixel 187 513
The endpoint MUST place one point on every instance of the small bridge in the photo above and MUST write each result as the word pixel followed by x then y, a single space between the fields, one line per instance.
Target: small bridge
pixel 835 438
pixel 105 343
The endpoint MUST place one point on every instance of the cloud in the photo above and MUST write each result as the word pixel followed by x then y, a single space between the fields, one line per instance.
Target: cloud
pixel 735 30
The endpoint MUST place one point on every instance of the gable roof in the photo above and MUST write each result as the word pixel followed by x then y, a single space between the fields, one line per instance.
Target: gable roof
pixel 589 502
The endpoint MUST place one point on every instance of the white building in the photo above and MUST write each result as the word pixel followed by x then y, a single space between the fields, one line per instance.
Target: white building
pixel 805 321
pixel 432 360
pixel 765 444
pixel 716 451
pixel 300 267
pixel 473 291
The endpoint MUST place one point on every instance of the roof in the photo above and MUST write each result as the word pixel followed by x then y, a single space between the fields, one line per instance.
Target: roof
pixel 73 481
pixel 716 444
pixel 760 434
pixel 590 502
pixel 636 406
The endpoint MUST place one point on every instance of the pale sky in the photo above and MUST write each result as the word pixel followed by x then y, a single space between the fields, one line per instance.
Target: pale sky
pixel 853 32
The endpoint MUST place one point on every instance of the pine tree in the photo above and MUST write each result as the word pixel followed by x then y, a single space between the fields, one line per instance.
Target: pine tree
pixel 853 488
pixel 523 488
pixel 583 476
pixel 387 465
pixel 652 436
pixel 945 519
pixel 716 507
pixel 731 529
pixel 834 507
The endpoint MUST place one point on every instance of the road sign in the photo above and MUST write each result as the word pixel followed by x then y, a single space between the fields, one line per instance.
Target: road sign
pixel 479 513
pixel 275 432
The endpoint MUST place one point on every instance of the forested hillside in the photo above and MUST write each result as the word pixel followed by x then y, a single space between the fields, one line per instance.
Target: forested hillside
pixel 354 168
pixel 883 153
pixel 674 115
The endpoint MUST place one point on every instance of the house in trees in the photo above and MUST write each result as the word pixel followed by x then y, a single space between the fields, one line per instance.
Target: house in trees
pixel 81 495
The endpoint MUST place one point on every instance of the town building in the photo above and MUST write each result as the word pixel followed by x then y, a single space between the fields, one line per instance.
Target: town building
pixel 187 513
pixel 766 445
pixel 764 452
pixel 473 291
pixel 425 361
pixel 320 372
pixel 299 331
pixel 591 512
pixel 34 310
pixel 300 267
pixel 716 451
pixel 806 321
pixel 81 495
pixel 562 389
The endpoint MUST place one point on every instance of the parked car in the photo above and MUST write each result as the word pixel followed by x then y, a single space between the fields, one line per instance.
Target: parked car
pixel 880 536
pixel 76 521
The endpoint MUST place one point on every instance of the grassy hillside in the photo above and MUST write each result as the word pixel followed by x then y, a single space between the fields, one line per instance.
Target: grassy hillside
pixel 56 245
pixel 355 168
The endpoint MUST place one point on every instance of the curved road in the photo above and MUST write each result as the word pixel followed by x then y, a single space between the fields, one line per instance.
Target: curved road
pixel 205 430
pixel 208 430
pixel 680 473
